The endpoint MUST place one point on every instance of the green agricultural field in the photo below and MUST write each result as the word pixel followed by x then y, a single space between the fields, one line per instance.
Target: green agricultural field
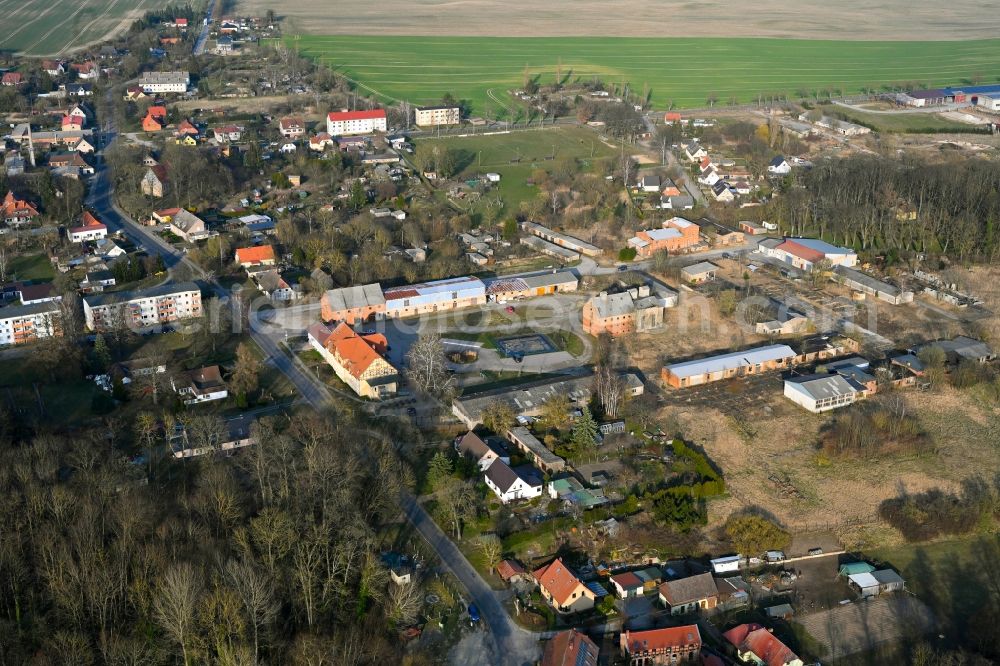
pixel 516 154
pixel 679 72
pixel 44 27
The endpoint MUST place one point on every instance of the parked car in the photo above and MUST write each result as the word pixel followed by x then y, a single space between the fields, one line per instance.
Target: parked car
pixel 509 309
pixel 473 614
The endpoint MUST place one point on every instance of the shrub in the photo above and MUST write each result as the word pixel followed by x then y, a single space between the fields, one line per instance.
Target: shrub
pixel 626 254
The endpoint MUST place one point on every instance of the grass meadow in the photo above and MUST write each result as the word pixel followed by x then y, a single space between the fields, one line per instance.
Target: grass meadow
pixel 517 154
pixel 682 72
pixel 43 27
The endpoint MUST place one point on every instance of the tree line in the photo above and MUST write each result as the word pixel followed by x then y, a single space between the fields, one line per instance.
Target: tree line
pixel 270 556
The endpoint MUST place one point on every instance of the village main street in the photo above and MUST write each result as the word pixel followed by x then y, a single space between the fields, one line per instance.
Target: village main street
pixel 510 645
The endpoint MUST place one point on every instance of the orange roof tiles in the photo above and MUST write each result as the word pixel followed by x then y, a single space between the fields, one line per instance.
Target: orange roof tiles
pixel 758 640
pixel 558 580
pixel 669 638
pixel 257 254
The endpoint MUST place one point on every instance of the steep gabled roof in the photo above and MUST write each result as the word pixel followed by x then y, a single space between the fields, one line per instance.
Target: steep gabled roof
pixel 570 648
pixel 669 638
pixel 690 589
pixel 556 578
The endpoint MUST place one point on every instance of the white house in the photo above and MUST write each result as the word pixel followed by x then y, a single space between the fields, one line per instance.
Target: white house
pixel 694 151
pixel 472 446
pixel 288 148
pixel 710 177
pixel 779 166
pixel 821 393
pixel 202 385
pixel 90 229
pixel 510 485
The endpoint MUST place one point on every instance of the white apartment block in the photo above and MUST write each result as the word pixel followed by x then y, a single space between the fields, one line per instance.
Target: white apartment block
pixel 432 116
pixel 342 123
pixel 165 82
pixel 148 307
pixel 24 323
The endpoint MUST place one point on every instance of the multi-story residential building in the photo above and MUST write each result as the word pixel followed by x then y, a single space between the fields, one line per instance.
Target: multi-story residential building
pixel 432 116
pixel 438 296
pixel 340 123
pixel 146 307
pixel 25 323
pixel 357 359
pixel 672 645
pixel 165 82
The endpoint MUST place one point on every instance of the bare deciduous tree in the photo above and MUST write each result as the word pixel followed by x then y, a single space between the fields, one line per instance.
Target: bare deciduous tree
pixel 257 596
pixel 403 603
pixel 176 602
pixel 427 368
pixel 610 389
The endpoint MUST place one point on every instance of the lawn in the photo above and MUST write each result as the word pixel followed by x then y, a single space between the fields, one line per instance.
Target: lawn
pixel 679 71
pixel 903 123
pixel 517 154
pixel 39 27
pixel 31 267
pixel 955 578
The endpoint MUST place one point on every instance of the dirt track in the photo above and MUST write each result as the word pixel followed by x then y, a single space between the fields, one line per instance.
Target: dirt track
pixel 808 19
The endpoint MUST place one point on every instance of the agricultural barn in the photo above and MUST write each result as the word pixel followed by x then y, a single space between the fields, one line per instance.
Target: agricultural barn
pixel 921 98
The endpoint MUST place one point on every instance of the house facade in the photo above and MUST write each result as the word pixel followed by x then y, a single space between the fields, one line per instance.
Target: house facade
pixel 202 385
pixel 688 595
pixel 154 181
pixel 562 589
pixel 356 359
pixel 656 647
pixel 510 484
pixel 90 229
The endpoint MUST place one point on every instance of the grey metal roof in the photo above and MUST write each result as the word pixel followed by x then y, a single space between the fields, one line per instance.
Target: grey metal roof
pixel 823 387
pixel 866 280
pixel 731 361
pixel 700 268
pixel 358 296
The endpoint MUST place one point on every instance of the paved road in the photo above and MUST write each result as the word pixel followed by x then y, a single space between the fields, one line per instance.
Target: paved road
pixel 516 646
pixel 199 44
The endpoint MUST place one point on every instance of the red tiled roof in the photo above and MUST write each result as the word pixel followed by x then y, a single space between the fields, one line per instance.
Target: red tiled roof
pixel 801 251
pixel 639 642
pixel 356 115
pixel 88 222
pixel 570 648
pixel 627 580
pixel 157 111
pixel 507 569
pixel 255 254
pixel 12 78
pixel 558 580
pixel 761 642
pixel 357 352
